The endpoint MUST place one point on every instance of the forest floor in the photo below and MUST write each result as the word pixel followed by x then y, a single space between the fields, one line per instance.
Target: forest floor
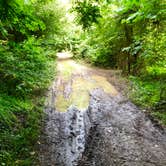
pixel 89 122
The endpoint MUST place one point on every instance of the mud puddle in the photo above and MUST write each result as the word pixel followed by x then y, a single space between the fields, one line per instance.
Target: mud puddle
pixel 101 128
pixel 75 82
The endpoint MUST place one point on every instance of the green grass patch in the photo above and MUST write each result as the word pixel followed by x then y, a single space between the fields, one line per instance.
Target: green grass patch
pixel 26 70
pixel 150 94
pixel 19 130
pixel 145 93
pixel 161 116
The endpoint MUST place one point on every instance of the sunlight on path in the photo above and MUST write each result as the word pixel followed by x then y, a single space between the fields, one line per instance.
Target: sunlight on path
pixel 76 81
pixel 64 55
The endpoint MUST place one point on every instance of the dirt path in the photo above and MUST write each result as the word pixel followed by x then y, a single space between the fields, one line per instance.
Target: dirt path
pixel 100 128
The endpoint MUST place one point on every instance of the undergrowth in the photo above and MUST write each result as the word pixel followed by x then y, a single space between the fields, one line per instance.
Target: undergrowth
pixel 31 32
pixel 150 94
pixel 26 70
pixel 19 131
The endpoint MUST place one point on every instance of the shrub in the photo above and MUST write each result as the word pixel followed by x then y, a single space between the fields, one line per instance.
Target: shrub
pixel 24 67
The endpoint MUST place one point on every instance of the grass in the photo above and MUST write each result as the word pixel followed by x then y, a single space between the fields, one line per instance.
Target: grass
pixel 23 83
pixel 161 116
pixel 147 93
pixel 19 130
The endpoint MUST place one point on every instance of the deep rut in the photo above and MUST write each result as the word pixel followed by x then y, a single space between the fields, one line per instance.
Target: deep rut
pixel 111 131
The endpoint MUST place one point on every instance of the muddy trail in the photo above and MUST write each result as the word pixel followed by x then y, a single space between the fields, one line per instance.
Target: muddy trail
pixel 90 123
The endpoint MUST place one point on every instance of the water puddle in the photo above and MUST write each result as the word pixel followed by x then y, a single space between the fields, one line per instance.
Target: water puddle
pixel 104 84
pixel 75 82
pixel 111 131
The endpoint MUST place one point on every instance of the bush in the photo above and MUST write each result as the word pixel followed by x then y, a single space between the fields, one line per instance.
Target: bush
pixel 19 130
pixel 24 67
pixel 150 94
pixel 26 70
pixel 27 66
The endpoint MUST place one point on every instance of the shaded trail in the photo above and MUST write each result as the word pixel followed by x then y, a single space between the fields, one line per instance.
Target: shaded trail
pixel 102 128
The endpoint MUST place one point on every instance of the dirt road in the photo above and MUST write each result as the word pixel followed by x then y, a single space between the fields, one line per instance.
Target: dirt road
pixel 89 123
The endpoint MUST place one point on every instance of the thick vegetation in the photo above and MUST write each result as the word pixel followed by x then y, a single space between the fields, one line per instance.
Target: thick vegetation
pixel 29 39
pixel 129 35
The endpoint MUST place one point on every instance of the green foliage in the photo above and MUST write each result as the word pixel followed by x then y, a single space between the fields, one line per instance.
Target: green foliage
pixel 130 35
pixel 88 12
pixel 26 71
pixel 123 32
pixel 150 94
pixel 145 93
pixel 53 17
pixel 154 54
pixel 27 65
pixel 161 116
pixel 100 44
pixel 24 68
pixel 18 20
pixel 19 130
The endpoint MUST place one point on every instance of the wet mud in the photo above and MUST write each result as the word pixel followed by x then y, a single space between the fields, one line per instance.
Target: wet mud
pixel 108 130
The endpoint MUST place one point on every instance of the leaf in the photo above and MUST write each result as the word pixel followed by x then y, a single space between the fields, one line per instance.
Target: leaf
pixel 127 49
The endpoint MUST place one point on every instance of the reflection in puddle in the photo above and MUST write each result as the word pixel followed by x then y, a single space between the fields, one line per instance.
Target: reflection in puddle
pixel 81 85
pixel 104 84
